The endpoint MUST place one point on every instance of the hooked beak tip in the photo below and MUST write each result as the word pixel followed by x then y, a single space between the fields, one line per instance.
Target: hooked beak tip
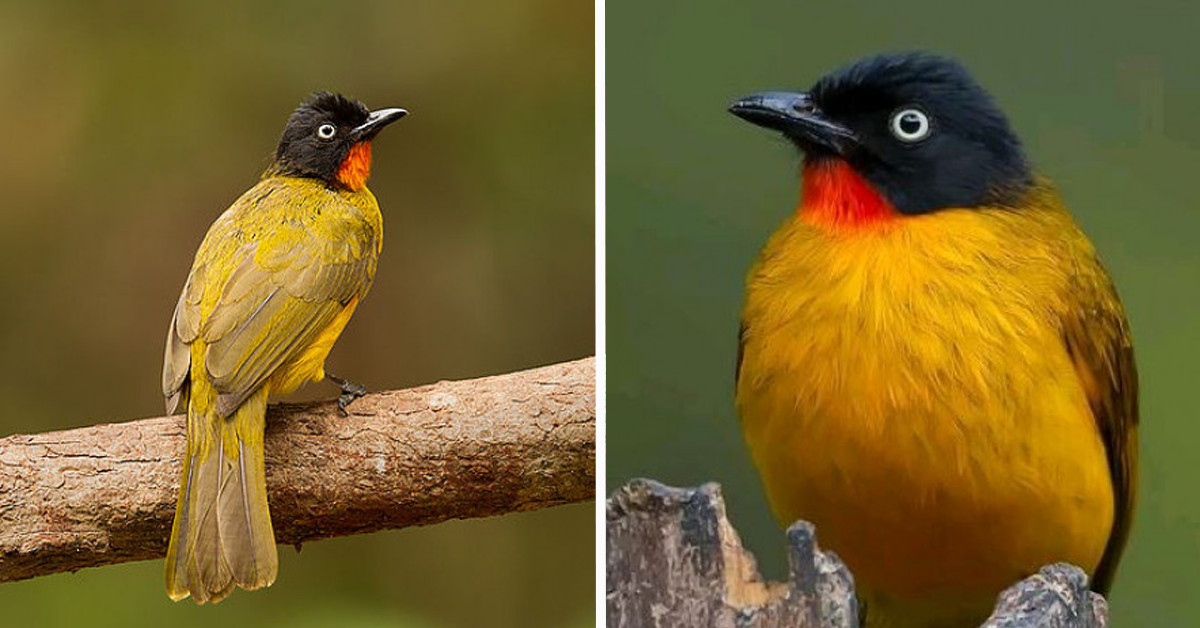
pixel 377 120
pixel 797 117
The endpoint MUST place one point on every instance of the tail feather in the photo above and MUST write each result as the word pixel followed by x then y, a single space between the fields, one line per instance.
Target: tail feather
pixel 209 565
pixel 222 535
pixel 243 517
pixel 177 578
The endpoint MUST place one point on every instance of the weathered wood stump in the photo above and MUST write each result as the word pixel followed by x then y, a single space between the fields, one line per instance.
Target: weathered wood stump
pixel 1055 597
pixel 673 559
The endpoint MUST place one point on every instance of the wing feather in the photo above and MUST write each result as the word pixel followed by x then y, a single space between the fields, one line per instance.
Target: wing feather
pixel 184 328
pixel 289 280
pixel 1096 335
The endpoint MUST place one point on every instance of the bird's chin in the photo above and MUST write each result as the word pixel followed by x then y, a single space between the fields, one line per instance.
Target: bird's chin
pixel 819 146
pixel 812 151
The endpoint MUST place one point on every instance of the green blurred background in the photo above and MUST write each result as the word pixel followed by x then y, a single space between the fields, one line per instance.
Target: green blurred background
pixel 1105 96
pixel 128 127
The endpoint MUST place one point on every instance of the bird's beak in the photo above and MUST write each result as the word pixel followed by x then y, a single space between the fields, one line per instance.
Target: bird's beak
pixel 796 116
pixel 375 123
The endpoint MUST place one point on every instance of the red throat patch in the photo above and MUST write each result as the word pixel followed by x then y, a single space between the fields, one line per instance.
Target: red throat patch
pixel 833 195
pixel 356 167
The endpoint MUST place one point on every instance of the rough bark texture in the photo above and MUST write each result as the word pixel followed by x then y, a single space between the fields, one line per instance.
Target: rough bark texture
pixel 106 494
pixel 1055 597
pixel 675 560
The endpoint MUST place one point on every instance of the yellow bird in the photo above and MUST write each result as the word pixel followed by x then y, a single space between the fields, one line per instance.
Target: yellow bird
pixel 934 367
pixel 274 283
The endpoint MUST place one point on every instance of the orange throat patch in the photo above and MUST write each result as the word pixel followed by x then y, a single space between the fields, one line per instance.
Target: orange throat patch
pixel 356 167
pixel 834 196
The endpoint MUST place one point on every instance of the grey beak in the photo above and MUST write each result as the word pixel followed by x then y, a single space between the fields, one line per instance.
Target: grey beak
pixel 375 123
pixel 798 117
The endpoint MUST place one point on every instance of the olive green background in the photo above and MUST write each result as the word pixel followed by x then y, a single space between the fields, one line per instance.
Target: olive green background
pixel 1105 96
pixel 129 127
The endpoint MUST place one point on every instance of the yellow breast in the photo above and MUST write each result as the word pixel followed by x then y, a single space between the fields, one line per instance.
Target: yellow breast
pixel 907 390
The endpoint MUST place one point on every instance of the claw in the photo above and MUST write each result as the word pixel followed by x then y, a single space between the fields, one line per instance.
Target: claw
pixel 350 392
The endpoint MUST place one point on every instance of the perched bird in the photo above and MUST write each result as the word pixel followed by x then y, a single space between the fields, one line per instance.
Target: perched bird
pixel 933 366
pixel 274 283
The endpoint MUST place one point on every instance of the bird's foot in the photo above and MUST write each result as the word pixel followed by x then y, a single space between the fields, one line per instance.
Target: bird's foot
pixel 350 392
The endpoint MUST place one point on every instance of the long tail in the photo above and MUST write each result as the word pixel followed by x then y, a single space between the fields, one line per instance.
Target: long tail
pixel 222 533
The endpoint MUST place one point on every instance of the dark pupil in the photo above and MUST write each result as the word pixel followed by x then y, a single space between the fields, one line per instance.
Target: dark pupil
pixel 910 123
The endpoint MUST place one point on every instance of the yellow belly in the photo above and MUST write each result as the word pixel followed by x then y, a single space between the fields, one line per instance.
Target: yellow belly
pixel 309 364
pixel 919 408
pixel 929 506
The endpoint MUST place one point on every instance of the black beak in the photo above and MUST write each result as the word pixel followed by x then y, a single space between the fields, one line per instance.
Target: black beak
pixel 797 117
pixel 375 123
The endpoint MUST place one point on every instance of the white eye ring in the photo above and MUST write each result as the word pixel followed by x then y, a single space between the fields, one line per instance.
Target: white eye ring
pixel 910 125
pixel 326 131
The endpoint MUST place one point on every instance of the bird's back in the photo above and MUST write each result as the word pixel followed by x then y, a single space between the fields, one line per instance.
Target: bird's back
pixel 318 245
pixel 280 214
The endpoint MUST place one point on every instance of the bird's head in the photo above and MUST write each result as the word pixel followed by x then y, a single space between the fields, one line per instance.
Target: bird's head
pixel 328 137
pixel 897 134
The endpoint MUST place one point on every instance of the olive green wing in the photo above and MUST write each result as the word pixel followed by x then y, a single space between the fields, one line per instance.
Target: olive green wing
pixel 277 301
pixel 285 288
pixel 185 326
pixel 1096 334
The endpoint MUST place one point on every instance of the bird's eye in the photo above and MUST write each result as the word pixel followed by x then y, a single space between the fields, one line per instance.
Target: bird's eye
pixel 326 131
pixel 910 125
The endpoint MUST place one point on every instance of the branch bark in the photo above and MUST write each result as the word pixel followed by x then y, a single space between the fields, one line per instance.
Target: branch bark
pixel 106 494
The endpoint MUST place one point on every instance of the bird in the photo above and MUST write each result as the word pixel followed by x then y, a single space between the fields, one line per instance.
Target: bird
pixel 272 286
pixel 934 367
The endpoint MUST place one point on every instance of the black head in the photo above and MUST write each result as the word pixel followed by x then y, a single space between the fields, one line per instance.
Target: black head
pixel 322 130
pixel 915 125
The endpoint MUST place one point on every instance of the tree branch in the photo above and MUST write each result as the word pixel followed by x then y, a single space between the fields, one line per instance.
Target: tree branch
pixel 106 494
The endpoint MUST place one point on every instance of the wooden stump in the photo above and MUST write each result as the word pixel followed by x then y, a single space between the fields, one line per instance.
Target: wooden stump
pixel 1055 597
pixel 673 559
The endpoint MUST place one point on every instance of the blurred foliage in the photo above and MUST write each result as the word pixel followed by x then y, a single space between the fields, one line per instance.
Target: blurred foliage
pixel 1105 109
pixel 130 126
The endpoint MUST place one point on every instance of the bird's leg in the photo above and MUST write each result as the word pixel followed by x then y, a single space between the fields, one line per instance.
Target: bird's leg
pixel 350 392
